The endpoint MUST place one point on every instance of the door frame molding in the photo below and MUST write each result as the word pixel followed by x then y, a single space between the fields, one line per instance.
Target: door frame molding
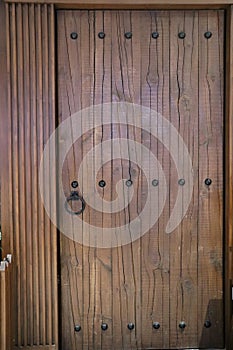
pixel 228 149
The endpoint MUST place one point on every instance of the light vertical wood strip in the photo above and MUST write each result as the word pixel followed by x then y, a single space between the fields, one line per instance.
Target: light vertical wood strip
pixel 21 162
pixel 210 220
pixel 46 134
pixel 184 113
pixel 15 167
pixel 3 311
pixel 35 232
pixel 28 173
pixel 53 184
pixel 40 140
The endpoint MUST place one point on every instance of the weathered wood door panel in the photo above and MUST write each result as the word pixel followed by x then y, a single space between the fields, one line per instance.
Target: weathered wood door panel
pixel 171 279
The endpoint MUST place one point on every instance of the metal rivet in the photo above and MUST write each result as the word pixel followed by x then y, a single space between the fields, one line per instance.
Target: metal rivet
pixel 207 324
pixel 130 326
pixel 101 35
pixel 129 183
pixel 155 35
pixel 181 182
pixel 104 326
pixel 181 35
pixel 77 328
pixel 102 183
pixel 155 182
pixel 74 35
pixel 182 325
pixel 156 325
pixel 208 182
pixel 128 35
pixel 74 184
pixel 208 35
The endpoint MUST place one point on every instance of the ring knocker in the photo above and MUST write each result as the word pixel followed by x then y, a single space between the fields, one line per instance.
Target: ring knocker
pixel 74 197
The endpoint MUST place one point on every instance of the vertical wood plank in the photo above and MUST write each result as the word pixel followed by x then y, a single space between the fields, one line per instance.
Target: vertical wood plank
pixel 229 180
pixel 210 219
pixel 32 115
pixel 5 175
pixel 184 116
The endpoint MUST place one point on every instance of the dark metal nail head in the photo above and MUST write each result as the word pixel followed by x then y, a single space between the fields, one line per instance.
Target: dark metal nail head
pixel 102 183
pixel 181 35
pixel 104 326
pixel 156 325
pixel 208 182
pixel 129 183
pixel 182 325
pixel 77 328
pixel 74 35
pixel 155 182
pixel 181 182
pixel 130 326
pixel 101 35
pixel 208 35
pixel 128 35
pixel 207 324
pixel 155 35
pixel 74 184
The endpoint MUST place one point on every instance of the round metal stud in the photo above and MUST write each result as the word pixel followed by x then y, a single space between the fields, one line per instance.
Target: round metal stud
pixel 130 326
pixel 74 184
pixel 182 325
pixel 128 35
pixel 74 35
pixel 101 35
pixel 156 325
pixel 104 326
pixel 155 182
pixel 207 324
pixel 181 182
pixel 208 35
pixel 181 35
pixel 77 328
pixel 129 183
pixel 102 183
pixel 208 182
pixel 155 35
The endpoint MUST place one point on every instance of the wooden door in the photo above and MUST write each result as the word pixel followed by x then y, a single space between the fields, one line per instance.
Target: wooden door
pixel 163 288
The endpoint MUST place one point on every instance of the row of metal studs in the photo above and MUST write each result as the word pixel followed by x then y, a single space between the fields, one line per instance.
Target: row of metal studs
pixel 154 182
pixel 129 35
pixel 155 325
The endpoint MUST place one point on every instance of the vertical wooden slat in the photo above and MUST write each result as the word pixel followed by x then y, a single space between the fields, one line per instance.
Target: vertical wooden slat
pixel 32 113
pixel 34 162
pixel 5 188
pixel 183 265
pixel 210 219
pixel 229 180
pixel 52 119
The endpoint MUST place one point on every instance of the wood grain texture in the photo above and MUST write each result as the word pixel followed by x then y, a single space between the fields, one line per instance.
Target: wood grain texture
pixel 5 199
pixel 5 308
pixel 132 3
pixel 160 277
pixel 31 65
pixel 229 180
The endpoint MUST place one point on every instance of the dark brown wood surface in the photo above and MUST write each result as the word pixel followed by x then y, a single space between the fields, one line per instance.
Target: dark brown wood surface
pixel 31 120
pixel 131 3
pixel 229 181
pixel 5 187
pixel 160 277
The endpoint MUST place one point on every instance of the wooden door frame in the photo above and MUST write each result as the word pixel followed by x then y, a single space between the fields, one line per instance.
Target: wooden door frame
pixel 228 150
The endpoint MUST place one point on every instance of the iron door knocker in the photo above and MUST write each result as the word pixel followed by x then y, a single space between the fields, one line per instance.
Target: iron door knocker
pixel 74 197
